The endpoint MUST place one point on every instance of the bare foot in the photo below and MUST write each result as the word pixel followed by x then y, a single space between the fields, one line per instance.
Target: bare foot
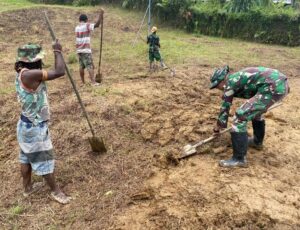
pixel 60 197
pixel 95 84
pixel 34 188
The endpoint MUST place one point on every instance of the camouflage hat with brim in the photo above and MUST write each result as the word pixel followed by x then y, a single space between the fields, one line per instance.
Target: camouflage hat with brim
pixel 218 76
pixel 30 53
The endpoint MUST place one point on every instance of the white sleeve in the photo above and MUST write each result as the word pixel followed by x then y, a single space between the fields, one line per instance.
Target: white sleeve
pixel 91 27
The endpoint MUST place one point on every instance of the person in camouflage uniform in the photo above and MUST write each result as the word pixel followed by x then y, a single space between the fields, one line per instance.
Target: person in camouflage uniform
pixel 154 46
pixel 36 150
pixel 262 87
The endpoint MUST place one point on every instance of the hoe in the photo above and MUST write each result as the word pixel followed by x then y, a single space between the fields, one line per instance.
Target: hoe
pixel 96 143
pixel 99 76
pixel 190 150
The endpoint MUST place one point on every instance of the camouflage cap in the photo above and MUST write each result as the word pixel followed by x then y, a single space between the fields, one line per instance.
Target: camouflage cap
pixel 30 53
pixel 218 76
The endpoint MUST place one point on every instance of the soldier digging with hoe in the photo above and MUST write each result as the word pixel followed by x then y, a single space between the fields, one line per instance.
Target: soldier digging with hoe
pixel 262 87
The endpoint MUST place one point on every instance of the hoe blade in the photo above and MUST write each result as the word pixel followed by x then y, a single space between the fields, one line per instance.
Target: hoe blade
pixel 97 145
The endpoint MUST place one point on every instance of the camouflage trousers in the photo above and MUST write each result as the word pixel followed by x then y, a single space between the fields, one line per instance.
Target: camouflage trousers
pixel 86 61
pixel 255 107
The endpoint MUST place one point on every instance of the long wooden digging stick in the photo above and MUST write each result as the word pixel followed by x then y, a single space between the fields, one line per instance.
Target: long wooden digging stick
pixel 70 77
pixel 99 74
pixel 97 144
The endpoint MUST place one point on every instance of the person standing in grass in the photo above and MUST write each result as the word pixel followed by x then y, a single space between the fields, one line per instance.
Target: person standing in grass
pixel 83 45
pixel 33 136
pixel 154 46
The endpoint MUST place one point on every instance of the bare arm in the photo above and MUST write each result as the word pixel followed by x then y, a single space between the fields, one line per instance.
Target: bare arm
pixel 100 19
pixel 33 78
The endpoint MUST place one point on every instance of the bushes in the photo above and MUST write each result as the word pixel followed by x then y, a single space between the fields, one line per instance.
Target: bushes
pixel 134 4
pixel 78 2
pixel 255 20
pixel 171 9
pixel 275 26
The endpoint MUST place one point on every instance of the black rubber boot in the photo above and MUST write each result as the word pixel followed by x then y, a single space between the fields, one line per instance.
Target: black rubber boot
pixel 239 145
pixel 258 135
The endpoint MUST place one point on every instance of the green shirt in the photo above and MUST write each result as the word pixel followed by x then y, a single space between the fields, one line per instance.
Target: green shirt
pixel 153 41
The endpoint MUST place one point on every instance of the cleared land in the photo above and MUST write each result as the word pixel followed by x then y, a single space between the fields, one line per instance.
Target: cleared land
pixel 143 118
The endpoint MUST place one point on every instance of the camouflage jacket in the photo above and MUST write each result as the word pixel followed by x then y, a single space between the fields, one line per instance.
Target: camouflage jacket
pixel 153 41
pixel 248 82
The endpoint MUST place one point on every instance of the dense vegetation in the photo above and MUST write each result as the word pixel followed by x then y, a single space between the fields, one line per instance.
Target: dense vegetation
pixel 257 20
pixel 268 24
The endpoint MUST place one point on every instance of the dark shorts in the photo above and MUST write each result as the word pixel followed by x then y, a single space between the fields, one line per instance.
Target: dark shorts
pixel 86 61
pixel 154 56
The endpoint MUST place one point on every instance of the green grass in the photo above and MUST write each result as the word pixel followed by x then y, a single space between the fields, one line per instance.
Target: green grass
pixel 6 5
pixel 101 91
pixel 72 58
pixel 104 92
pixel 16 210
pixel 178 47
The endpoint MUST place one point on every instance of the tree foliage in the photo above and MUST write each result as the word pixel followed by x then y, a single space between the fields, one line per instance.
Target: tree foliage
pixel 171 9
pixel 238 6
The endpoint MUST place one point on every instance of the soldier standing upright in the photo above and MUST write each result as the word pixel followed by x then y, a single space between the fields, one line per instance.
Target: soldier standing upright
pixel 154 46
pixel 262 87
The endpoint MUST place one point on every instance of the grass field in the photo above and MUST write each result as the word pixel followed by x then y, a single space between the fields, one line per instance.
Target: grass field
pixel 6 5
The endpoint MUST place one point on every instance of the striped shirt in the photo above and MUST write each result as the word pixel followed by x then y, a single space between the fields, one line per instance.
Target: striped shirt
pixel 83 39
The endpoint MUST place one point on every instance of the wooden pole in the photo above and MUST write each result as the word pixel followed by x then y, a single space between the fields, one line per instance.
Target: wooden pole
pixel 149 17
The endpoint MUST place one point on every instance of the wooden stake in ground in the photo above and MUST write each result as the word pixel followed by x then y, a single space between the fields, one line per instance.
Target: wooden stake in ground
pixel 96 143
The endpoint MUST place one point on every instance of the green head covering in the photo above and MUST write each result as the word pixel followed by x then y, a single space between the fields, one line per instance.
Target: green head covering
pixel 30 53
pixel 218 76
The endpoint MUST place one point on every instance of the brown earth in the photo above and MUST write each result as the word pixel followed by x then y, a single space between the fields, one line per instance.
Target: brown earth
pixel 144 119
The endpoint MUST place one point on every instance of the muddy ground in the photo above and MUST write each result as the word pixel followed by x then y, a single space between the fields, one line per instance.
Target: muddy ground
pixel 144 118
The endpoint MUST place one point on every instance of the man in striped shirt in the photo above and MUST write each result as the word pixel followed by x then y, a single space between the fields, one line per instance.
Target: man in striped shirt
pixel 83 45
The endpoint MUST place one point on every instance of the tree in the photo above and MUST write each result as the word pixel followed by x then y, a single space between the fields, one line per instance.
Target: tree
pixel 237 6
pixel 171 8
